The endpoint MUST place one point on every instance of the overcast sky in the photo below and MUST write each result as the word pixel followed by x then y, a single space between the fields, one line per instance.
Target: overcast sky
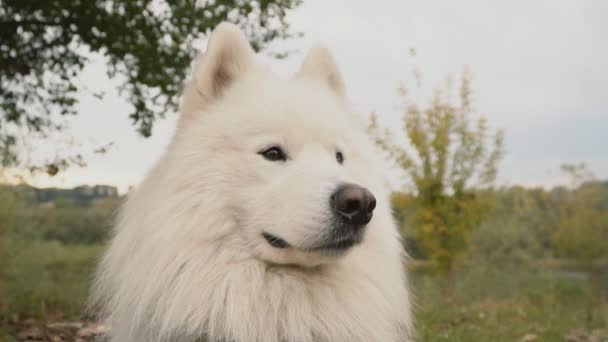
pixel 540 72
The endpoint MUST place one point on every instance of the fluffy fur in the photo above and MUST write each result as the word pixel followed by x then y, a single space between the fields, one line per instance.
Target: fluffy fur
pixel 187 261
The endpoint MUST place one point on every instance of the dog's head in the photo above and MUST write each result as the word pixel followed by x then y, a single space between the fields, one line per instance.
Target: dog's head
pixel 289 161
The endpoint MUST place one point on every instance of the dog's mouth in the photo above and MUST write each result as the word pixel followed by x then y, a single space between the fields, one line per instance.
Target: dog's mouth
pixel 340 241
pixel 334 245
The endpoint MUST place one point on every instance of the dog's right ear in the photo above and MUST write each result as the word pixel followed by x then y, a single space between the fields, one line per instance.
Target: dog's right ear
pixel 320 64
pixel 228 56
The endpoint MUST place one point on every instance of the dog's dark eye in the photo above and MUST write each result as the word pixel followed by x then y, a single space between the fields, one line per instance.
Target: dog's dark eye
pixel 274 153
pixel 339 157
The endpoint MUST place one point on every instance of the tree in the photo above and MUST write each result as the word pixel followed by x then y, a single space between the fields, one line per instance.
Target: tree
pixel 147 44
pixel 448 159
pixel 582 232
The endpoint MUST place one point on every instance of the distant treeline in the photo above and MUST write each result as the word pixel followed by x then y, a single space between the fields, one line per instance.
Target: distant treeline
pixel 81 196
pixel 82 215
pixel 523 223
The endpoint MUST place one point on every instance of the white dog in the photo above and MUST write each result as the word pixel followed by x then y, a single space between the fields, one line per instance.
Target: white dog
pixel 267 219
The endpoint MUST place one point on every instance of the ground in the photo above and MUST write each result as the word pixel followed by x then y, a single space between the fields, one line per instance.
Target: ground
pixel 32 330
pixel 487 320
pixel 43 292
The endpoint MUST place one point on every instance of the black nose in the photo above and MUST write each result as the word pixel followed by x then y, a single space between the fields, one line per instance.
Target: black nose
pixel 353 204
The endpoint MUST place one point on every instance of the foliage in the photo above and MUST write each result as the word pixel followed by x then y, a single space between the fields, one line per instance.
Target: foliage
pixel 527 224
pixel 449 157
pixel 582 231
pixel 516 231
pixel 82 215
pixel 74 225
pixel 148 45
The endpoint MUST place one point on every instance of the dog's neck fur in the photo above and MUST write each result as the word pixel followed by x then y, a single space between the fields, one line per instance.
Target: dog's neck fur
pixel 285 299
pixel 238 298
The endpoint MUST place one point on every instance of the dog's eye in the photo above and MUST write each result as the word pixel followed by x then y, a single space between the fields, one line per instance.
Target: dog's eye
pixel 274 153
pixel 339 157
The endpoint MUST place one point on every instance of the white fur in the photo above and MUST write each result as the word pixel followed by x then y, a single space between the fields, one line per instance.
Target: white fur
pixel 187 259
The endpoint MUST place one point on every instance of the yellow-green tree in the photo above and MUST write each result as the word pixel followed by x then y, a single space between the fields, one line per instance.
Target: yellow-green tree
pixel 449 157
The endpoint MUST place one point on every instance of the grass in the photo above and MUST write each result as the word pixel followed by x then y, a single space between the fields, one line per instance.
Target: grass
pixel 47 280
pixel 508 306
pixel 503 320
pixel 43 279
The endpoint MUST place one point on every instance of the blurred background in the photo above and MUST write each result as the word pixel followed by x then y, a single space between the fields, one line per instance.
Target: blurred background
pixel 492 117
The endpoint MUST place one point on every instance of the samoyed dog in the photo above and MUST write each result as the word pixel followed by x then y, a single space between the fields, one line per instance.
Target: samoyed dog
pixel 266 220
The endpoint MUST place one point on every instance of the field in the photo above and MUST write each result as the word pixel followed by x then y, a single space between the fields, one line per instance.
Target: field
pixel 546 305
pixel 47 282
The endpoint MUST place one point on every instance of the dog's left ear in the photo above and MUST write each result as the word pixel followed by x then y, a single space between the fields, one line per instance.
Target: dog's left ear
pixel 228 56
pixel 320 64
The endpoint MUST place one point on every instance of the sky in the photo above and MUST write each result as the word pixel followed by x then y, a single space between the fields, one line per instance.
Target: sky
pixel 540 73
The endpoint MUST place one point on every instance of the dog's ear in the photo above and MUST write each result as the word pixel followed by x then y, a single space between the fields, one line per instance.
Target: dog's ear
pixel 320 64
pixel 228 56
